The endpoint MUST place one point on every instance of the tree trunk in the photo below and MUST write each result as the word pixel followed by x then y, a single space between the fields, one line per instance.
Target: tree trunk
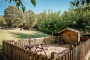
pixel 52 33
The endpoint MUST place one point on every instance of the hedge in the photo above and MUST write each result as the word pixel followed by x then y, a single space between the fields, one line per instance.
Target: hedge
pixel 50 33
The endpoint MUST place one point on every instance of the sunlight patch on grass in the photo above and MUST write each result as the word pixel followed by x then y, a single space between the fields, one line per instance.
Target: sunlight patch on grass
pixel 14 34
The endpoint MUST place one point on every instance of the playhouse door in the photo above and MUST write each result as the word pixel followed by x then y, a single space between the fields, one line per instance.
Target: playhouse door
pixel 69 38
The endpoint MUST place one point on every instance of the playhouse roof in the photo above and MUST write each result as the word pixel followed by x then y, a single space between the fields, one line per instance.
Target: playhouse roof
pixel 70 29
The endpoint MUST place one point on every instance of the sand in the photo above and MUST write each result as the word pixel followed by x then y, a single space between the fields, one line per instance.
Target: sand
pixel 54 48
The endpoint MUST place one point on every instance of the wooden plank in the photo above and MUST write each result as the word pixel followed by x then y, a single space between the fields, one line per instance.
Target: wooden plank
pixel 17 53
pixel 32 57
pixel 25 54
pixel 69 55
pixel 3 47
pixel 28 54
pixel 84 51
pixel 36 56
pixel 20 43
pixel 64 57
pixel 20 54
pixel 12 52
pixel 40 57
pixel 27 41
pixel 61 58
pixel 15 43
pixel 75 53
pixel 8 50
pixel 45 58
pixel 79 51
pixel 89 44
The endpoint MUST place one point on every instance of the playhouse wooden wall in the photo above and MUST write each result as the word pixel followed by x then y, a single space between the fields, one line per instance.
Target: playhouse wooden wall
pixel 70 36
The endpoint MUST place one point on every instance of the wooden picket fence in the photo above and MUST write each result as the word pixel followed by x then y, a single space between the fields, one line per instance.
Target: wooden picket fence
pixel 79 51
pixel 13 49
pixel 13 52
pixel 45 40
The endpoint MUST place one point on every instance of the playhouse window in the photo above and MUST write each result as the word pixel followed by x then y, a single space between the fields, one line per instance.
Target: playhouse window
pixel 68 35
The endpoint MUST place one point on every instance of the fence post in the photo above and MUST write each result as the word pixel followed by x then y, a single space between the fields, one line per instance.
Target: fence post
pixel 3 47
pixel 71 47
pixel 30 41
pixel 54 55
pixel 15 43
pixel 45 41
pixel 55 39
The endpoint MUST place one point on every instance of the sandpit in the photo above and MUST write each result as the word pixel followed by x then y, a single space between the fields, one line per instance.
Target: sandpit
pixel 59 49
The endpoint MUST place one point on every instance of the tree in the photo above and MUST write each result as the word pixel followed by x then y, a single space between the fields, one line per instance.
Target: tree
pixel 19 3
pixel 31 21
pixel 49 22
pixel 77 2
pixel 2 21
pixel 11 15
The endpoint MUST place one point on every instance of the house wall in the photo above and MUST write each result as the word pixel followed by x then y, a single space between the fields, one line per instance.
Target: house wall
pixel 69 36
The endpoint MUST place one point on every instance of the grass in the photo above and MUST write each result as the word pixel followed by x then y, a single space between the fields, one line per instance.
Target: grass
pixel 7 34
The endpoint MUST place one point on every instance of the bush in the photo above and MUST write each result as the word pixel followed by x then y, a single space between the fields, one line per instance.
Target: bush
pixel 50 33
pixel 86 35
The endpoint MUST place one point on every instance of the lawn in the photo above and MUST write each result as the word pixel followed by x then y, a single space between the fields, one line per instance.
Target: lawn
pixel 7 34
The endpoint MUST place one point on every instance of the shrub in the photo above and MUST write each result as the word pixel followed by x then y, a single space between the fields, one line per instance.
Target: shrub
pixel 49 32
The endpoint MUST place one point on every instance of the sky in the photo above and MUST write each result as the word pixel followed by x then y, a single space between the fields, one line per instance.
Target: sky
pixel 41 5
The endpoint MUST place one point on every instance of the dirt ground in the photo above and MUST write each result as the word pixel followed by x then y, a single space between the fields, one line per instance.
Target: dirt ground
pixel 59 49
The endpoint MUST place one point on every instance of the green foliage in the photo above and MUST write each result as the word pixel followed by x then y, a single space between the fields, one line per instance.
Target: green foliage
pixel 48 22
pixel 16 18
pixel 33 2
pixel 13 16
pixel 2 21
pixel 77 2
pixel 19 3
pixel 76 18
pixel 31 21
pixel 50 32
pixel 74 3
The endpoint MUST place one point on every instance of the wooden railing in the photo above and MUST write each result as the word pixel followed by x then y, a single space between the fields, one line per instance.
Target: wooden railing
pixel 15 52
pixel 46 40
pixel 13 49
pixel 79 51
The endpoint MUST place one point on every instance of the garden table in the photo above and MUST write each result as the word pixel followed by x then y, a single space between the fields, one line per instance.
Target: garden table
pixel 37 46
